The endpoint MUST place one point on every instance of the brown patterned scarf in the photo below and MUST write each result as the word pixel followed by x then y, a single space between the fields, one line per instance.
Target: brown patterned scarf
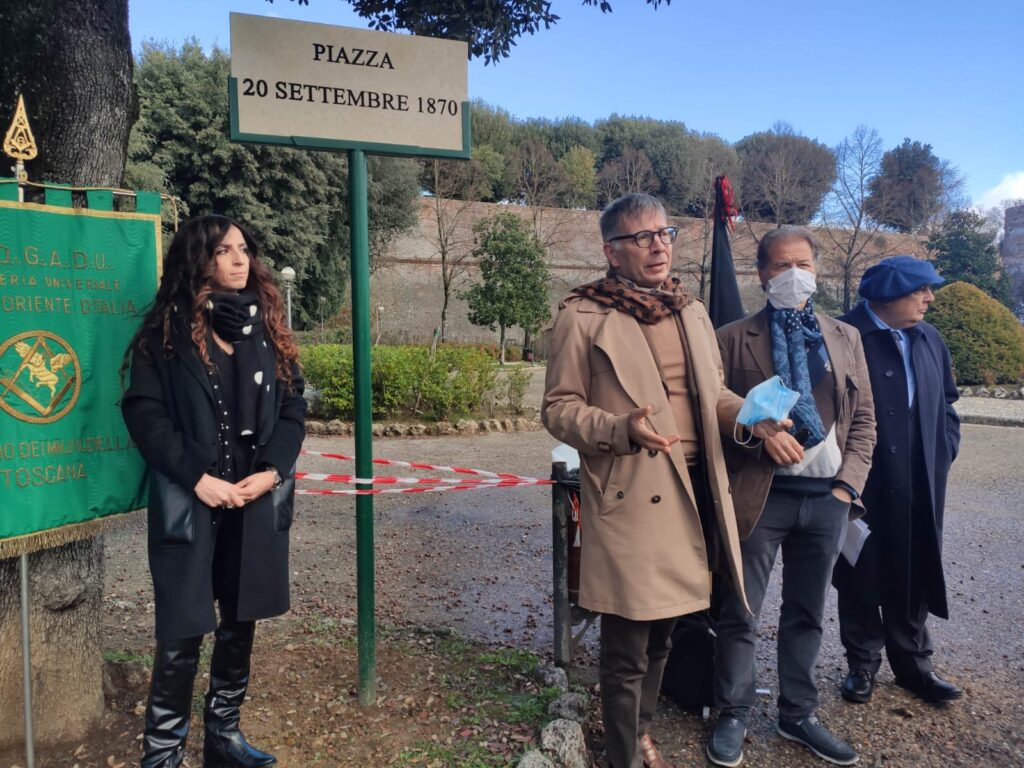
pixel 648 305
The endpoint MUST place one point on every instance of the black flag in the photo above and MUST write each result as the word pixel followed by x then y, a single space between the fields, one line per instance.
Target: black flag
pixel 724 303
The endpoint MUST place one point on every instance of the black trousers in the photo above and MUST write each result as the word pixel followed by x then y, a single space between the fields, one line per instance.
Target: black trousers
pixel 633 656
pixel 896 621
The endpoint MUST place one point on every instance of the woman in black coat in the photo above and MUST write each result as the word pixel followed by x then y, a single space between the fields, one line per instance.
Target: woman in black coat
pixel 215 407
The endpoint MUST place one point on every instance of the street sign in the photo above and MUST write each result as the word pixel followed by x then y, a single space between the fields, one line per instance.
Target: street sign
pixel 326 87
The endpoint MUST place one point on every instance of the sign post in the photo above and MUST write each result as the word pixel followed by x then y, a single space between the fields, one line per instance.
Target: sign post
pixel 316 86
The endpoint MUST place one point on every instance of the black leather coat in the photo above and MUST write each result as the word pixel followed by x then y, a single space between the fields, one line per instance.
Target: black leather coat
pixel 169 411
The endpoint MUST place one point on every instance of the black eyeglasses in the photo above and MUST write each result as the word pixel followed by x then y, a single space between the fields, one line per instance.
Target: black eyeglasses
pixel 645 237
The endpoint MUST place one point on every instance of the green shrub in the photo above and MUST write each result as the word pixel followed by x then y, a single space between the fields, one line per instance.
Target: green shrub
pixel 984 338
pixel 516 382
pixel 328 368
pixel 456 381
pixel 395 377
pixel 453 382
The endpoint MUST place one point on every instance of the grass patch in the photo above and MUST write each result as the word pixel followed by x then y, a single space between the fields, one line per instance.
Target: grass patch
pixel 324 630
pixel 128 657
pixel 466 755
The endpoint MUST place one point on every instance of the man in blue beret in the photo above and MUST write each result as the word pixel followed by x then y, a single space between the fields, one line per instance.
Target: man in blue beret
pixel 897 580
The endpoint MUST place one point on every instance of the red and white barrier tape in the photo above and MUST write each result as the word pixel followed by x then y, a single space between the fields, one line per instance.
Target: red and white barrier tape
pixel 483 479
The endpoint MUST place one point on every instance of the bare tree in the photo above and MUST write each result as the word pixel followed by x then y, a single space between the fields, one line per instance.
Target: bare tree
pixel 540 180
pixel 784 176
pixel 710 157
pixel 846 227
pixel 455 184
pixel 629 172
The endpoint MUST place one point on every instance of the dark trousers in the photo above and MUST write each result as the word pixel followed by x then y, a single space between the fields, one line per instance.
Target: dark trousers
pixel 810 530
pixel 633 655
pixel 865 629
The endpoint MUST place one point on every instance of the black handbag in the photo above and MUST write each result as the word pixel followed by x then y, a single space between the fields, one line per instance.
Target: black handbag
pixel 171 517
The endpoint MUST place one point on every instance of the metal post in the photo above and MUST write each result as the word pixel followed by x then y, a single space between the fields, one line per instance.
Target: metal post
pixel 358 227
pixel 26 637
pixel 26 665
pixel 560 565
pixel 288 277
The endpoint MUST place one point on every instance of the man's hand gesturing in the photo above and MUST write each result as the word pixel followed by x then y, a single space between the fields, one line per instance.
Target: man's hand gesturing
pixel 641 434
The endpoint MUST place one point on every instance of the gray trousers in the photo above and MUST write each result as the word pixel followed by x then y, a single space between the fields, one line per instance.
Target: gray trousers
pixel 633 656
pixel 810 530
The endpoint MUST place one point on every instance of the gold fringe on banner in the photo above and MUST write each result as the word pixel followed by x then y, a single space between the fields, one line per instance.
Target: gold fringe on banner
pixel 66 534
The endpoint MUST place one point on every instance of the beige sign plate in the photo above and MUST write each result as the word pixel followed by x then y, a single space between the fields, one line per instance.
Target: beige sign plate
pixel 326 87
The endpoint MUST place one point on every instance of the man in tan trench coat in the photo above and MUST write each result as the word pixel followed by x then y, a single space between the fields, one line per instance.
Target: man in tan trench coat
pixel 634 383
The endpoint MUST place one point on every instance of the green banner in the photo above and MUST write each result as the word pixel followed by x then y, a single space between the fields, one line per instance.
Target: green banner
pixel 73 283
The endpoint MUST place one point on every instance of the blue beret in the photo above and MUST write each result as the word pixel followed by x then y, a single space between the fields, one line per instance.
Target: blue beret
pixel 897 276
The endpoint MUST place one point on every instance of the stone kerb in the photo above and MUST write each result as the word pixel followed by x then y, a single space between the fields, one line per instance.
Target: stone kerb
pixel 466 427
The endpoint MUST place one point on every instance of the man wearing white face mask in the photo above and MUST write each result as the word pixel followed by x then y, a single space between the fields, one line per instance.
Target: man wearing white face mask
pixel 794 490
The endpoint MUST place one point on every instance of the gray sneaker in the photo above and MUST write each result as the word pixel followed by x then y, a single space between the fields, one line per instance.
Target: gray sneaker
pixel 817 738
pixel 725 747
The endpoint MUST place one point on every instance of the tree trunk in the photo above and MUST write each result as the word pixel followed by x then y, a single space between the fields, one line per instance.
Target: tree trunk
pixel 501 345
pixel 71 59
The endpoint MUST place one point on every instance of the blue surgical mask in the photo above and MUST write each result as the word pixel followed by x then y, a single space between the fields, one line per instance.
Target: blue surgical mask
pixel 770 399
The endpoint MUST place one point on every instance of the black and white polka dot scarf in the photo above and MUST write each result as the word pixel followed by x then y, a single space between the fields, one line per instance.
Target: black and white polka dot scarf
pixel 793 331
pixel 236 318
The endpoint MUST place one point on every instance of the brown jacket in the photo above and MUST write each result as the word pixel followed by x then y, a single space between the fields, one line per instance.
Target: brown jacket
pixel 746 352
pixel 643 552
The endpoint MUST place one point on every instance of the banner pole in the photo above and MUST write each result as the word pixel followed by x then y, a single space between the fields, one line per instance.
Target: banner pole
pixel 26 638
pixel 366 614
pixel 26 664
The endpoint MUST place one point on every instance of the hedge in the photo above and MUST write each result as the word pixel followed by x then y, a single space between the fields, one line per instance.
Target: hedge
pixel 984 338
pixel 452 382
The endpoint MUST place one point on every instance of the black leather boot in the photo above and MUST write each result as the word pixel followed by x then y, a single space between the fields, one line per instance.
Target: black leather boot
pixel 170 702
pixel 225 746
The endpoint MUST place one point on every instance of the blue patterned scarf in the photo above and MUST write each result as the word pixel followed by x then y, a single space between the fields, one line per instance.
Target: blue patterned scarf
pixel 793 330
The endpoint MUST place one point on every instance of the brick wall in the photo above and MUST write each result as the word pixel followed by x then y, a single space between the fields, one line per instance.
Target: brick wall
pixel 408 285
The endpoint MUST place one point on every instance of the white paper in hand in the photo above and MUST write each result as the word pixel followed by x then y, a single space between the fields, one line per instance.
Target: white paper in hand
pixel 857 532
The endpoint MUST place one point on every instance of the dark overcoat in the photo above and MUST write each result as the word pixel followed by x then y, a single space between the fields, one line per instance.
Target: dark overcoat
pixel 169 411
pixel 889 556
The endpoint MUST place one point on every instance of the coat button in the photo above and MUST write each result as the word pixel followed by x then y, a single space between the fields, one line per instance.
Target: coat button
pixel 892 449
pixel 888 374
pixel 620 495
pixel 655 499
pixel 652 453
pixel 891 411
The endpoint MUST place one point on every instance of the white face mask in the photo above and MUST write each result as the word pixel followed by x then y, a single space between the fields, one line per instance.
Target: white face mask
pixel 790 289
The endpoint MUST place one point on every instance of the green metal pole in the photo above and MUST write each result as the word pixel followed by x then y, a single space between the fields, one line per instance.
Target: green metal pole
pixel 360 239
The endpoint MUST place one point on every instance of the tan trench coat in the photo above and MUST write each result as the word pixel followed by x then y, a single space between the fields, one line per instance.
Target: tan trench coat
pixel 643 553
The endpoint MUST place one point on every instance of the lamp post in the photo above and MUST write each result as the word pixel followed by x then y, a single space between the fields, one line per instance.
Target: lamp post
pixel 288 275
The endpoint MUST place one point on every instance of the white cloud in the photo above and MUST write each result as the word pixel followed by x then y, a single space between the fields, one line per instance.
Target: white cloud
pixel 1010 188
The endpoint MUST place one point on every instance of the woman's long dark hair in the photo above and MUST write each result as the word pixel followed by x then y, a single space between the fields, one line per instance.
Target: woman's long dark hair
pixel 185 287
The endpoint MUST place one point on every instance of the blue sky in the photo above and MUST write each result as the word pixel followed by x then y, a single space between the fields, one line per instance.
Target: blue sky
pixel 941 72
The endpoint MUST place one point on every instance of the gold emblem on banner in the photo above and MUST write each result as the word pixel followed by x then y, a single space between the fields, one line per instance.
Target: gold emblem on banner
pixel 38 369
pixel 19 142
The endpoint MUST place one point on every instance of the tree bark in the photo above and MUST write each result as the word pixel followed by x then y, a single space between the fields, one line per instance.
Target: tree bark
pixel 71 60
